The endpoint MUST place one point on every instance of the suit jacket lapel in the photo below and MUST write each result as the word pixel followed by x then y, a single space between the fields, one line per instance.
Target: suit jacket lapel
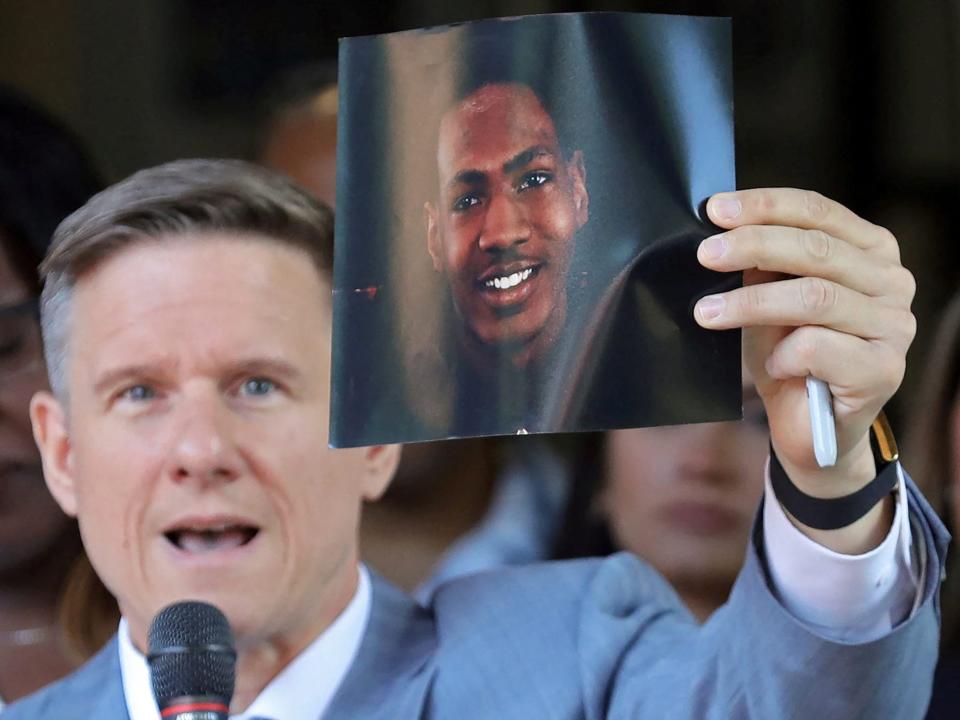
pixel 390 676
pixel 105 685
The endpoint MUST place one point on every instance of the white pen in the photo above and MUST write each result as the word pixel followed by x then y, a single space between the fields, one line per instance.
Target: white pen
pixel 822 424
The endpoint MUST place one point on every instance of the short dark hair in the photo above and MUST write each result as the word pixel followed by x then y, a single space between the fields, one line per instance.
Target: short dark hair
pixel 185 196
pixel 45 174
pixel 524 54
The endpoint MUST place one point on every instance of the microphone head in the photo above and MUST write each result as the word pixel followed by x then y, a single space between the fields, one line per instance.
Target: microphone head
pixel 191 653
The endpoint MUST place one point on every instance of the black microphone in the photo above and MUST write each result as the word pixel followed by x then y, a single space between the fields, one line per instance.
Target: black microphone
pixel 192 662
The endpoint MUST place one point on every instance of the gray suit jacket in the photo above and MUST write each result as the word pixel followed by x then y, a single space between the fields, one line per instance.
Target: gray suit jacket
pixel 597 639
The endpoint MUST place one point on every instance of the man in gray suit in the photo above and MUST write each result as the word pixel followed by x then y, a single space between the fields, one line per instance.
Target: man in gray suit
pixel 187 315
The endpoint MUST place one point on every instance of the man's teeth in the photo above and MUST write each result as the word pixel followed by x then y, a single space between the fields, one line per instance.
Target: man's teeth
pixel 212 540
pixel 508 281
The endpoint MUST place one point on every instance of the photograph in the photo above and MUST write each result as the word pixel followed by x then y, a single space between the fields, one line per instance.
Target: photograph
pixel 519 204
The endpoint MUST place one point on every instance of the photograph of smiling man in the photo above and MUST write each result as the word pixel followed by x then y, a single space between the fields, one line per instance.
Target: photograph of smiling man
pixel 502 229
pixel 517 226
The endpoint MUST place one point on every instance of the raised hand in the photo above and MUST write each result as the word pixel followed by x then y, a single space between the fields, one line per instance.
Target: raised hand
pixel 824 294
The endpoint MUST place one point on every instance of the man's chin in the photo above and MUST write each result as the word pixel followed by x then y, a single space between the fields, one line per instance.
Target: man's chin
pixel 233 591
pixel 241 607
pixel 522 339
pixel 514 345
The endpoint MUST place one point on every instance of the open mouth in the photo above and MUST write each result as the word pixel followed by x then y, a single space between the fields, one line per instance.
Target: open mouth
pixel 506 287
pixel 508 281
pixel 211 538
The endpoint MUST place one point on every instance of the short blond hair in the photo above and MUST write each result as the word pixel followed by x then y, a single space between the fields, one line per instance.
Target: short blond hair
pixel 172 200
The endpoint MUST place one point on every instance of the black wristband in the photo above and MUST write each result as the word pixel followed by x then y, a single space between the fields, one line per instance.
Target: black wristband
pixel 831 513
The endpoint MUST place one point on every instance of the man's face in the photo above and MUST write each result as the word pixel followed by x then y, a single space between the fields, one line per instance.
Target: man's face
pixel 194 451
pixel 509 206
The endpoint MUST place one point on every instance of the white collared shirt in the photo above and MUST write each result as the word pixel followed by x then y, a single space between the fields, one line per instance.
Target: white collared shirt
pixel 302 690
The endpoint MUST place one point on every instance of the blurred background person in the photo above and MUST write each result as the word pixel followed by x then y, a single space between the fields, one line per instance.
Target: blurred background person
pixel 44 576
pixel 454 507
pixel 933 446
pixel 299 137
pixel 683 498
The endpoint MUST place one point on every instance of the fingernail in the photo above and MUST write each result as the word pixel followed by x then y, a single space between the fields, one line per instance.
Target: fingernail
pixel 710 307
pixel 713 247
pixel 726 208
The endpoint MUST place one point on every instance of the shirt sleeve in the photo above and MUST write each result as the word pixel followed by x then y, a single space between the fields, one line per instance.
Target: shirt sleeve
pixel 848 598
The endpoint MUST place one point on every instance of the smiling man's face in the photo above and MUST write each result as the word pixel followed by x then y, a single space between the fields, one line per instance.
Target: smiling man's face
pixel 509 206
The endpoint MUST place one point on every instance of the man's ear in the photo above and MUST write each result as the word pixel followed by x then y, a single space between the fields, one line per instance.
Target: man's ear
pixel 49 421
pixel 432 219
pixel 380 467
pixel 578 176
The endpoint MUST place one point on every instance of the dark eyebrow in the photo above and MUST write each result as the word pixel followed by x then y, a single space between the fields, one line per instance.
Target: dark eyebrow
pixel 469 177
pixel 525 158
pixel 521 159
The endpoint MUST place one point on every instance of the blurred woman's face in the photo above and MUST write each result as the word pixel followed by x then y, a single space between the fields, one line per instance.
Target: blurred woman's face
pixel 30 521
pixel 684 497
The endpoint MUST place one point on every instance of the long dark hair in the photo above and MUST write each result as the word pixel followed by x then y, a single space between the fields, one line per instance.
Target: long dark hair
pixel 930 456
pixel 44 176
pixel 584 531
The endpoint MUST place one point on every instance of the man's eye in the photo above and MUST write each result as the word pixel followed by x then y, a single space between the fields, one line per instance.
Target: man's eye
pixel 534 179
pixel 139 393
pixel 465 202
pixel 258 386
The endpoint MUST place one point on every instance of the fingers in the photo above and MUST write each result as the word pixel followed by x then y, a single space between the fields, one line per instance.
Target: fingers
pixel 802 209
pixel 806 301
pixel 840 360
pixel 813 253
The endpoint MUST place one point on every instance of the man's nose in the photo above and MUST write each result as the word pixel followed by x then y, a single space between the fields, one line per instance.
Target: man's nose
pixel 504 224
pixel 204 449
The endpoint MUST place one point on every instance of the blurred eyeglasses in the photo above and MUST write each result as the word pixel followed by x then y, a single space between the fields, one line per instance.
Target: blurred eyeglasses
pixel 21 350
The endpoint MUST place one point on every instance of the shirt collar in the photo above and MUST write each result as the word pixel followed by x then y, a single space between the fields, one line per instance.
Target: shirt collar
pixel 302 690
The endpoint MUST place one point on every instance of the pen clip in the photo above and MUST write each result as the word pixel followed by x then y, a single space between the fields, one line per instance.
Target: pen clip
pixel 822 423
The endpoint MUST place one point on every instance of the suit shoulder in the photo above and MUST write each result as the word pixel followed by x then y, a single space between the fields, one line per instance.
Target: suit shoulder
pixel 573 619
pixel 76 696
pixel 617 584
pixel 50 702
pixel 562 579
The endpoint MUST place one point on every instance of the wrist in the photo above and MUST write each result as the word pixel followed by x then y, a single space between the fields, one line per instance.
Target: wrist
pixel 859 537
pixel 844 514
pixel 850 473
